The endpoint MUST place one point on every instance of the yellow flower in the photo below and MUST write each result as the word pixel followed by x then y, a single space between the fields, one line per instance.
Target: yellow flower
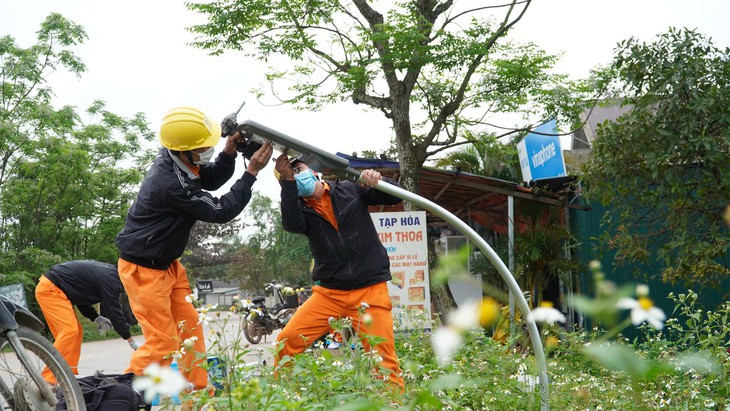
pixel 552 341
pixel 488 312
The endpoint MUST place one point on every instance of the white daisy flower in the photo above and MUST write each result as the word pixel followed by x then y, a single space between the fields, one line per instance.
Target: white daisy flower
pixel 642 310
pixel 545 313
pixel 190 342
pixel 465 317
pixel 446 341
pixel 157 380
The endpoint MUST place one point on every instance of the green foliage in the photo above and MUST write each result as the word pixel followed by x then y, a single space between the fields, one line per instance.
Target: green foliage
pixel 541 252
pixel 486 156
pixel 695 329
pixel 66 178
pixel 663 166
pixel 24 94
pixel 70 192
pixel 25 267
pixel 596 370
pixel 485 375
pixel 269 251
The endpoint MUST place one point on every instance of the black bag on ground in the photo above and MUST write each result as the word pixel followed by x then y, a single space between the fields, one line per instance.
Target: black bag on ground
pixel 107 392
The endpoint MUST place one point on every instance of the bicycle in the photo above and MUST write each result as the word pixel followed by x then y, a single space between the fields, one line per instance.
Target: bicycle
pixel 24 354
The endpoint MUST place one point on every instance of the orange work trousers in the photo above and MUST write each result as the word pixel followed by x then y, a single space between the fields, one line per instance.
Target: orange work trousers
pixel 157 299
pixel 311 321
pixel 63 323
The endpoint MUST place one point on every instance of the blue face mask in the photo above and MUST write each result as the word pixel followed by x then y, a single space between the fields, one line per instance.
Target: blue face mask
pixel 306 183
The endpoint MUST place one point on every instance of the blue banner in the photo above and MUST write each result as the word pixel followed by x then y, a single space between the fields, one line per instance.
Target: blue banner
pixel 541 155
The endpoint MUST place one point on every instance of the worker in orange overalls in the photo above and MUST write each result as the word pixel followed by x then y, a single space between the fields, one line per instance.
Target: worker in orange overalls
pixel 172 197
pixel 83 284
pixel 351 267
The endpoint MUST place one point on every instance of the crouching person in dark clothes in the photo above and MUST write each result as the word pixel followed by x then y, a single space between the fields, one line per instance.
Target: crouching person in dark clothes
pixel 80 283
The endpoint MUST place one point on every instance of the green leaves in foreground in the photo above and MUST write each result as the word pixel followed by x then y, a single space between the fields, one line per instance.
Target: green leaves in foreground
pixel 427 397
pixel 617 357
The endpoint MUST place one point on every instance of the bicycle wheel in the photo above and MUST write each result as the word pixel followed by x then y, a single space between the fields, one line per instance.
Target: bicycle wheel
pixel 24 394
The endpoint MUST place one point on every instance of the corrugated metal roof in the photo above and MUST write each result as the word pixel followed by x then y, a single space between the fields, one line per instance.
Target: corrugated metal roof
pixel 470 197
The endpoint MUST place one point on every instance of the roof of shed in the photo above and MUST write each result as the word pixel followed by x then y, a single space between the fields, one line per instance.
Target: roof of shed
pixel 469 196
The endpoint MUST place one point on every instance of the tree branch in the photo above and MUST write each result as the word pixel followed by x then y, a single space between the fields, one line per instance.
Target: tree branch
pixel 451 107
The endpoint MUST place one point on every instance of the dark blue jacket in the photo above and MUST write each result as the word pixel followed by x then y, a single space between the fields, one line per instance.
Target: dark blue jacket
pixel 89 282
pixel 352 257
pixel 158 225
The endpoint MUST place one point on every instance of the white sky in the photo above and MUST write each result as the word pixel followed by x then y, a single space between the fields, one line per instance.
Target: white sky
pixel 138 62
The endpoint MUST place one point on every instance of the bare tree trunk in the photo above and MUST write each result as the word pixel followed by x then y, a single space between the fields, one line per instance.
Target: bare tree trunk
pixel 411 160
pixel 442 302
pixel 408 157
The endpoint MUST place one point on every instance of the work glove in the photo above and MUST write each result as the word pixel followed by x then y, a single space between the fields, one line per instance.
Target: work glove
pixel 133 343
pixel 103 324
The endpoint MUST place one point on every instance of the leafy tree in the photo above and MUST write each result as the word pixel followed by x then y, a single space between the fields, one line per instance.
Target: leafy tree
pixel 663 166
pixel 70 192
pixel 65 182
pixel 270 253
pixel 211 247
pixel 25 96
pixel 432 68
pixel 486 156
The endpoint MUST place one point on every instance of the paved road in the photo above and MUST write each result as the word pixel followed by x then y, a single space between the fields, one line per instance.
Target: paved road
pixel 112 356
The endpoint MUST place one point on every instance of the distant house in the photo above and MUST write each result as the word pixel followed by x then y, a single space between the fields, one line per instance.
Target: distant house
pixel 216 292
pixel 582 140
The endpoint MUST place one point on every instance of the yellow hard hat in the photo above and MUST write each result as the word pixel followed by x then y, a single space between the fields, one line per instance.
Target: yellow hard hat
pixel 277 174
pixel 187 128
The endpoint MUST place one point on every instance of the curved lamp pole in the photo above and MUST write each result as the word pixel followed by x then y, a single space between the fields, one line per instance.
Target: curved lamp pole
pixel 324 161
pixel 497 262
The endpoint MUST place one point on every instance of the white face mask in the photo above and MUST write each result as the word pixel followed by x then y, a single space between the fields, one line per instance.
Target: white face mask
pixel 205 156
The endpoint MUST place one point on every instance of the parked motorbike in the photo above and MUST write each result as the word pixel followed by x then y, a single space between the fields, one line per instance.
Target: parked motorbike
pixel 261 321
pixel 24 354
